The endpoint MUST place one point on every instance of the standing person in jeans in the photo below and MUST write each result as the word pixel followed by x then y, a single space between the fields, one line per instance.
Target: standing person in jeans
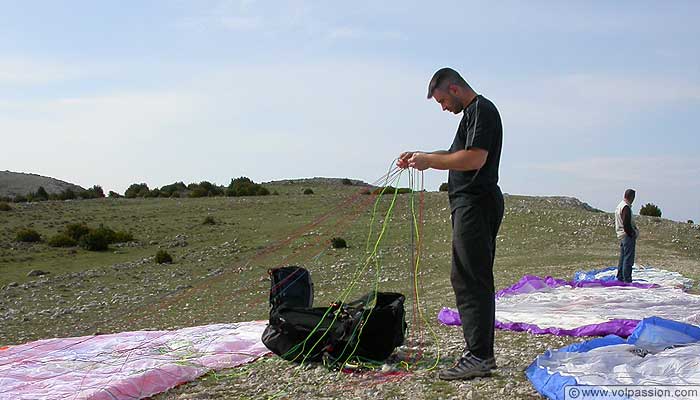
pixel 627 234
pixel 476 203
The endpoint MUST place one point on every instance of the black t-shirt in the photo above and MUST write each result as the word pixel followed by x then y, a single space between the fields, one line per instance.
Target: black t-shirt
pixel 480 127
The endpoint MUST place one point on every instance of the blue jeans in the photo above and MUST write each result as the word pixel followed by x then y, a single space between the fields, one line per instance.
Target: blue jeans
pixel 624 266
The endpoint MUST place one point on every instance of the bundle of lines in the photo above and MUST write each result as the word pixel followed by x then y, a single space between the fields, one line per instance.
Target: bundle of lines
pixel 380 204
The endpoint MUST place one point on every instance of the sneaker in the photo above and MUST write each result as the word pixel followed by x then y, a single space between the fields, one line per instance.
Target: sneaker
pixel 467 367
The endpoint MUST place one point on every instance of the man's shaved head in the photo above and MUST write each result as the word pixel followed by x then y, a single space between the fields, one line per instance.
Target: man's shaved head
pixel 443 78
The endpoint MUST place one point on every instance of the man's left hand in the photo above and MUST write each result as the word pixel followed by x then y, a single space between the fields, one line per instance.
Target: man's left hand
pixel 419 161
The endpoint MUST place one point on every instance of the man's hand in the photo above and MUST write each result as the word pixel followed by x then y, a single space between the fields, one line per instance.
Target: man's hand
pixel 419 161
pixel 402 162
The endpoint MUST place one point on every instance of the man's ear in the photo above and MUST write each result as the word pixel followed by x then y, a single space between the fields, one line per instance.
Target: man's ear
pixel 454 89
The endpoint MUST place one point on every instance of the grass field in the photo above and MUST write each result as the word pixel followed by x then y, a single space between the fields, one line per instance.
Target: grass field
pixel 220 275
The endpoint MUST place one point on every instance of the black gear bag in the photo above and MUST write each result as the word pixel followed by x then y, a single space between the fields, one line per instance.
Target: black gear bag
pixel 362 328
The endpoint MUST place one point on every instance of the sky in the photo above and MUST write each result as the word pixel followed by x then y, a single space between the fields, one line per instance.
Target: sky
pixel 595 96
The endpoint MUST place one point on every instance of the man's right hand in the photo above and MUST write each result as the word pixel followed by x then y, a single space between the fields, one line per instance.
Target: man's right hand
pixel 402 162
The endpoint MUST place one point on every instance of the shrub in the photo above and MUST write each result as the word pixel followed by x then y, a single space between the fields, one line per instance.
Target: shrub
pixel 95 240
pixel 20 199
pixel 338 243
pixel 245 187
pixel 444 187
pixel 690 221
pixel 650 210
pixel 162 257
pixel 211 189
pixel 136 190
pixel 346 181
pixel 209 220
pixel 28 235
pixel 41 194
pixel 114 195
pixel 153 193
pixel 62 240
pixel 198 191
pixel 387 190
pixel 308 191
pixel 97 192
pixel 108 233
pixel 67 194
pixel 275 193
pixel 122 237
pixel 173 188
pixel 77 231
pixel 94 192
pixel 5 207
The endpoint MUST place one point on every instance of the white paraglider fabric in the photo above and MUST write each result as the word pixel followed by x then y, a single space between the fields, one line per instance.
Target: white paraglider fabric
pixel 585 308
pixel 640 274
pixel 571 307
pixel 127 365
pixel 659 354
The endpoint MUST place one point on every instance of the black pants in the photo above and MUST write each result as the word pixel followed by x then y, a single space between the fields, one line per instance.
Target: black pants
pixel 474 230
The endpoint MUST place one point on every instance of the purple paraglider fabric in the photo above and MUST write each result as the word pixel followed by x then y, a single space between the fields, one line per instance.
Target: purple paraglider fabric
pixel 530 283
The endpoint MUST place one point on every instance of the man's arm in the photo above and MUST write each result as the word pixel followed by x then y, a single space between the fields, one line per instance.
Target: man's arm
pixel 627 222
pixel 462 160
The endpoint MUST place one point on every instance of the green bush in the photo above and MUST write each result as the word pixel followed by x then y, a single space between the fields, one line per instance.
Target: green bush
pixel 651 210
pixel 152 193
pixel 28 235
pixel 95 240
pixel 67 194
pixel 62 240
pixel 245 187
pixel 173 188
pixel 5 207
pixel 338 243
pixel 162 257
pixel 108 233
pixel 41 194
pixel 136 190
pixel 94 192
pixel 391 190
pixel 20 199
pixel 198 191
pixel 690 221
pixel 211 189
pixel 308 191
pixel 114 195
pixel 209 220
pixel 444 187
pixel 77 231
pixel 347 181
pixel 122 237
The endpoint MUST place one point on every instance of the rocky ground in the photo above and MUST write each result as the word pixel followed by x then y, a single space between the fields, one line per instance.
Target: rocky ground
pixel 219 275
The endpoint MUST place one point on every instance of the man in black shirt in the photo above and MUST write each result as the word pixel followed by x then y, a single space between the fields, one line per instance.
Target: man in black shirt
pixel 476 204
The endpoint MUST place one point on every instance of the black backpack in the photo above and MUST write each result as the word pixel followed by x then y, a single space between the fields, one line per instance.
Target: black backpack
pixel 298 332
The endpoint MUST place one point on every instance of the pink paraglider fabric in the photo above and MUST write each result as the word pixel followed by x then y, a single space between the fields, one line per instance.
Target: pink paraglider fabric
pixel 127 365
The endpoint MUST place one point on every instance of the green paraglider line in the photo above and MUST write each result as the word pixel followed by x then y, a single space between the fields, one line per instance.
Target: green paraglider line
pixel 391 177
